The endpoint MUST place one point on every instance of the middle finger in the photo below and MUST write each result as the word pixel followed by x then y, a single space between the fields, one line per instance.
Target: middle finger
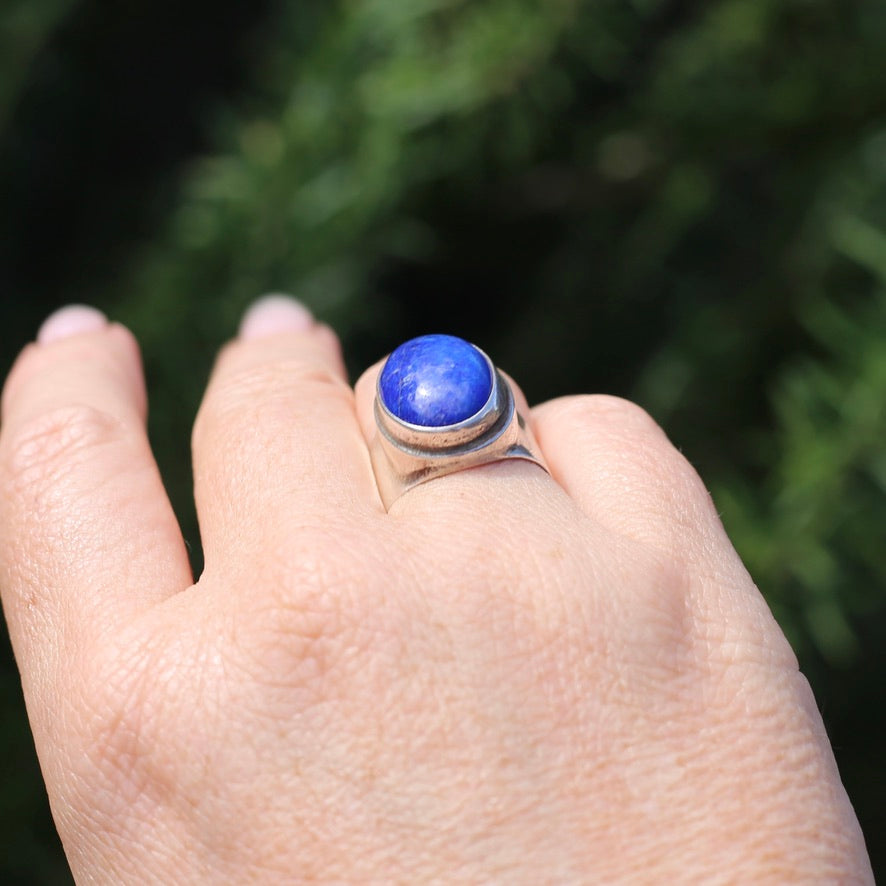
pixel 276 443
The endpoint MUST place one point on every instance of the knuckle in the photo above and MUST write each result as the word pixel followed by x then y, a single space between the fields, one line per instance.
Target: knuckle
pixel 594 410
pixel 126 725
pixel 315 616
pixel 648 480
pixel 636 441
pixel 309 580
pixel 279 374
pixel 44 448
pixel 271 391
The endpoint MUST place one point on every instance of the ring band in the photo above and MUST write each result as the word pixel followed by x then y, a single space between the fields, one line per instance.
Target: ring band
pixel 441 406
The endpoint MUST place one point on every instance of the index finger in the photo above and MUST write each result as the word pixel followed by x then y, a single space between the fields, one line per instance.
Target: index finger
pixel 87 535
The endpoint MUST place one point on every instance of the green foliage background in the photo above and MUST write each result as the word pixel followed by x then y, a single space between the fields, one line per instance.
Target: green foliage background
pixel 683 203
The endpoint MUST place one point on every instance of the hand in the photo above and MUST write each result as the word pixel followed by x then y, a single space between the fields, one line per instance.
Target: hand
pixel 510 678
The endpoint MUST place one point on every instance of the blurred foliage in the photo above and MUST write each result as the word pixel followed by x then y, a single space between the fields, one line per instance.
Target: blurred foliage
pixel 680 202
pixel 24 26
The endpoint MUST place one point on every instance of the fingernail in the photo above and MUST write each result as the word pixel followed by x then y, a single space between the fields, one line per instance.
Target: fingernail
pixel 274 314
pixel 71 320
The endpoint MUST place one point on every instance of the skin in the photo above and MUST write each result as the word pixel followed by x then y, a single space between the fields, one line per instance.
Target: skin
pixel 511 677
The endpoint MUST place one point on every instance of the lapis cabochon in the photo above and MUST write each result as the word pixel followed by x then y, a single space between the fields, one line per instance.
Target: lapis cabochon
pixel 435 380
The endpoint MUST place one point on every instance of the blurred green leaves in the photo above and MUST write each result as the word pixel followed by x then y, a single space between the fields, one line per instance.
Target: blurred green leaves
pixel 305 197
pixel 24 27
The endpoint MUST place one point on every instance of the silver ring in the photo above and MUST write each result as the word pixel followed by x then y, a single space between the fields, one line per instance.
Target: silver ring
pixel 415 405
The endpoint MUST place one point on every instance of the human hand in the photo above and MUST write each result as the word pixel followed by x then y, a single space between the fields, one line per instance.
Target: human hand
pixel 510 677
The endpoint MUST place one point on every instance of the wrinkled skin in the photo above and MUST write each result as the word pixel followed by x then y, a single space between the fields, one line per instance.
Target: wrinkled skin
pixel 512 677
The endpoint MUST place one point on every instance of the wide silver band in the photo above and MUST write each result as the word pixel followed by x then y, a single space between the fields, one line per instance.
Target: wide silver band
pixel 405 455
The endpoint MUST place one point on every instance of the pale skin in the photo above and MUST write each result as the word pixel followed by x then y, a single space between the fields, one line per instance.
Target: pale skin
pixel 511 677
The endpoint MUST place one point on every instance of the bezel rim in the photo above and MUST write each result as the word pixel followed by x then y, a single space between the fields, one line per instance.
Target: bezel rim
pixel 478 430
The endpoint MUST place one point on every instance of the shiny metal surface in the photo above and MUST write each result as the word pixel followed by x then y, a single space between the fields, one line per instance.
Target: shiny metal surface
pixel 405 455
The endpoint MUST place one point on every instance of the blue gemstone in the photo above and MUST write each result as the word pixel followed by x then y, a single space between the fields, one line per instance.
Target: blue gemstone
pixel 435 380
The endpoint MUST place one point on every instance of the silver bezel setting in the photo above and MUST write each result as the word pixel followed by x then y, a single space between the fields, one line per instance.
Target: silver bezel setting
pixel 405 454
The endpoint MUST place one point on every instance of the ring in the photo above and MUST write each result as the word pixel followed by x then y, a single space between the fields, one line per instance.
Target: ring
pixel 441 406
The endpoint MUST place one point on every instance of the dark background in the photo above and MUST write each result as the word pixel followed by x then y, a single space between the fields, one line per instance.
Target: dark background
pixel 683 203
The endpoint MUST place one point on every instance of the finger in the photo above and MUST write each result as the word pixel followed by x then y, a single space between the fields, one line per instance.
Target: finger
pixel 87 534
pixel 276 442
pixel 619 466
